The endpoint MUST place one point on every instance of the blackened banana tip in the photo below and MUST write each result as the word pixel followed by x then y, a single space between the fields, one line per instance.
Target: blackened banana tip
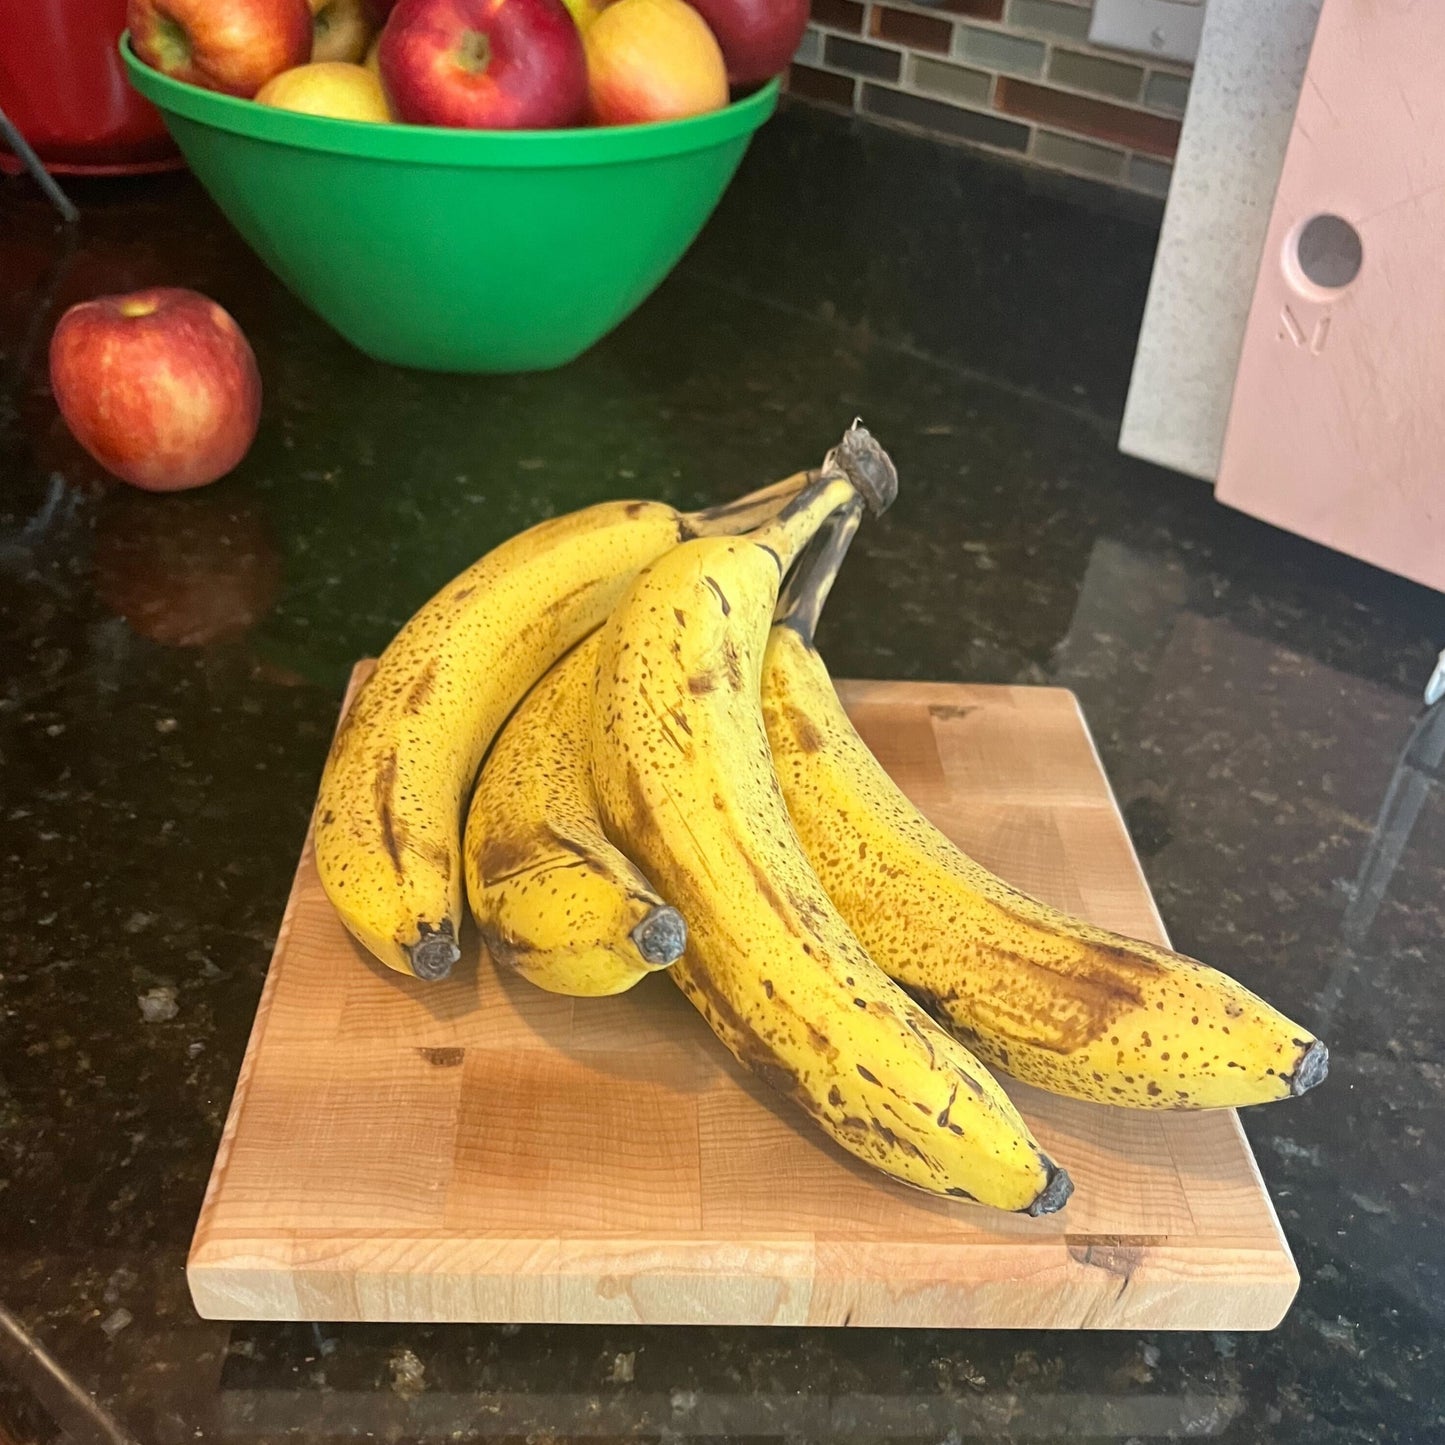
pixel 661 937
pixel 432 958
pixel 1314 1064
pixel 1054 1195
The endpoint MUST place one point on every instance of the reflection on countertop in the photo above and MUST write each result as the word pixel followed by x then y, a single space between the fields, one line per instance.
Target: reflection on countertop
pixel 172 669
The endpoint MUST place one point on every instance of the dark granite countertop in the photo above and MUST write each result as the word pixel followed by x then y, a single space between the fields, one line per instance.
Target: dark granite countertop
pixel 172 669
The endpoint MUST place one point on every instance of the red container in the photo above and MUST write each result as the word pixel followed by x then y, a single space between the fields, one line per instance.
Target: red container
pixel 63 84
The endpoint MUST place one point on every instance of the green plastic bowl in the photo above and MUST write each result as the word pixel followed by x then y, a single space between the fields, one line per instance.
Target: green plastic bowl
pixel 458 250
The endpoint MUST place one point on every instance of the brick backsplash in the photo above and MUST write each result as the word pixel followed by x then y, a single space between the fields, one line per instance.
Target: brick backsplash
pixel 1016 77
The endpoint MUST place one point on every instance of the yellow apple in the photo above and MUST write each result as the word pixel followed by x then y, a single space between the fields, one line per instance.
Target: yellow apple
pixel 371 62
pixel 584 12
pixel 651 60
pixel 328 87
pixel 340 29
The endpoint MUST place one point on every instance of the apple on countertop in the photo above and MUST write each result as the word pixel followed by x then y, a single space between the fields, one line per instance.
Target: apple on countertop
pixel 159 386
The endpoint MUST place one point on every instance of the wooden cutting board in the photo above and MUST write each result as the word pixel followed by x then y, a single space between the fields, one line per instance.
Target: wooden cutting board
pixel 480 1150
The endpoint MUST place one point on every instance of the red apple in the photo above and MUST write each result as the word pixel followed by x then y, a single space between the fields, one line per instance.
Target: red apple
pixel 234 46
pixel 159 386
pixel 484 64
pixel 758 37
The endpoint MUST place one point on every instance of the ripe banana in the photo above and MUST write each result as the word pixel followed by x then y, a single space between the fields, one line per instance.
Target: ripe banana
pixel 388 819
pixel 554 900
pixel 1050 999
pixel 687 787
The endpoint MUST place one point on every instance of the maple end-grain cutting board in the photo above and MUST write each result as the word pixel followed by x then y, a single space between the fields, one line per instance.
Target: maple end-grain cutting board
pixel 480 1150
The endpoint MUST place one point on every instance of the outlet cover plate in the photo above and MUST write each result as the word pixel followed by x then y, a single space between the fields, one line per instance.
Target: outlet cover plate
pixel 1163 29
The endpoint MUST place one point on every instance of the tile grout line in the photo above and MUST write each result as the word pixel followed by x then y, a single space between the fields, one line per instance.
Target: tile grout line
pixel 1126 155
pixel 831 68
pixel 1042 79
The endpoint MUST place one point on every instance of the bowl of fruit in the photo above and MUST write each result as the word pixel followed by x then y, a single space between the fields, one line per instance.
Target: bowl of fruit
pixel 465 185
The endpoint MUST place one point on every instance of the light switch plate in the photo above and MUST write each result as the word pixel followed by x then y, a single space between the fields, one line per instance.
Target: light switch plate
pixel 1164 29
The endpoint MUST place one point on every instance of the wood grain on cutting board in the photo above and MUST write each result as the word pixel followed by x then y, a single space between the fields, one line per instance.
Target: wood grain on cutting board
pixel 480 1150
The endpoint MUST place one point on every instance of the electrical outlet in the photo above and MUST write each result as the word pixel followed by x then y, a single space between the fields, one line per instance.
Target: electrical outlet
pixel 1164 29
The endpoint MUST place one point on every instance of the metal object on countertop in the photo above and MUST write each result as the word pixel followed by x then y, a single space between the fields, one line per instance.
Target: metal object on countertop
pixel 33 164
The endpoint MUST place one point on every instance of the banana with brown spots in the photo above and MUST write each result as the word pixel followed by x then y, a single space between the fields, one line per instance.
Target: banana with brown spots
pixel 1052 1000
pixel 555 901
pixel 389 816
pixel 687 788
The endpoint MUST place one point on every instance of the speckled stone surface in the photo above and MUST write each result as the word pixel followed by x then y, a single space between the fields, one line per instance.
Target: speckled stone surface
pixel 1242 97
pixel 172 667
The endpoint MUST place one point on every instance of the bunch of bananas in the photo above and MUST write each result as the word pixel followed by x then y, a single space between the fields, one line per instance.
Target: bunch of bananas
pixel 667 781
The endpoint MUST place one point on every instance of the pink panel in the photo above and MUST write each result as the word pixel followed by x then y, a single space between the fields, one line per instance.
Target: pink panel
pixel 1337 428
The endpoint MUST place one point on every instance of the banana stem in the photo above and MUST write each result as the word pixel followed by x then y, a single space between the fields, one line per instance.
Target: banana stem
pixel 810 582
pixel 793 528
pixel 859 457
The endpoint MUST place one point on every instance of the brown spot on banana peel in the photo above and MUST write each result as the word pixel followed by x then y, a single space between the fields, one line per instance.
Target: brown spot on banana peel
pixel 1083 1007
pixel 1097 1003
pixel 764 884
pixel 742 1039
pixel 721 596
pixel 734 665
pixel 808 738
pixel 565 601
pixel 421 688
pixel 437 854
pixel 947 1108
pixel 701 683
pixel 383 786
pixel 897 1141
pixel 499 858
